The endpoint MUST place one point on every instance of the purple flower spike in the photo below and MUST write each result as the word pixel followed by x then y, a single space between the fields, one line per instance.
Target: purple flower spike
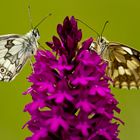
pixel 71 99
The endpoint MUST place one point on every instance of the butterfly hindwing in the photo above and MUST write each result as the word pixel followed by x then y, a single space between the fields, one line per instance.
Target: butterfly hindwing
pixel 124 65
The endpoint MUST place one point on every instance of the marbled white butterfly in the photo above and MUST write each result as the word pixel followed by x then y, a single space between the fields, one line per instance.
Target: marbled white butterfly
pixel 15 50
pixel 123 61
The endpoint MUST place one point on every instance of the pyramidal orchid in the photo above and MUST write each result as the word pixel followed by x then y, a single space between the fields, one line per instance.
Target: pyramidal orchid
pixel 71 98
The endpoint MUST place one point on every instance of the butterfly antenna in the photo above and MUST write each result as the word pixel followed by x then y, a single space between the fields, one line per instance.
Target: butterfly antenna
pixel 88 26
pixel 30 17
pixel 31 64
pixel 42 20
pixel 104 28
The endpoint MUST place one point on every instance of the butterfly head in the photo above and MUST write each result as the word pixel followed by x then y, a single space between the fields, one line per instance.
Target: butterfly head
pixel 35 34
pixel 99 45
pixel 32 40
pixel 102 41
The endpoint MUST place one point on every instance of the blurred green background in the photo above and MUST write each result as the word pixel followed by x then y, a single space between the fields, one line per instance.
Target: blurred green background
pixel 124 27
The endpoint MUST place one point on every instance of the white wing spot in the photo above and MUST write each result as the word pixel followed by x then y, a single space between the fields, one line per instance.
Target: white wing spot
pixel 12 68
pixel 21 53
pixel 2 61
pixel 121 70
pixel 15 49
pixel 117 84
pixel 6 78
pixel 135 61
pixel 127 71
pixel 133 85
pixel 124 85
pixel 115 74
pixel 128 50
pixel 3 52
pixel 6 63
pixel 131 65
pixel 2 44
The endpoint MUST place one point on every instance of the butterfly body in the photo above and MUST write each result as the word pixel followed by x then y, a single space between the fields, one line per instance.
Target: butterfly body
pixel 15 50
pixel 123 62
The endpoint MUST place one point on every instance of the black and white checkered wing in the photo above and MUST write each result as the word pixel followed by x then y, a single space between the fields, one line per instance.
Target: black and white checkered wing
pixel 13 55
pixel 124 65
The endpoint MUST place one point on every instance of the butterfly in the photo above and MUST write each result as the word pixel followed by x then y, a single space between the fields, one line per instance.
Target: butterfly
pixel 15 50
pixel 123 62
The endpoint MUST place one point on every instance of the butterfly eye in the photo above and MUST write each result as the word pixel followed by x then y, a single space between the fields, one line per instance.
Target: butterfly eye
pixel 35 34
pixel 32 51
pixel 101 40
pixel 2 70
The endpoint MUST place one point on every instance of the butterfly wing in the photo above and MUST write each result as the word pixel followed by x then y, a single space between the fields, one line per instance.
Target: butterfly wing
pixel 13 55
pixel 124 65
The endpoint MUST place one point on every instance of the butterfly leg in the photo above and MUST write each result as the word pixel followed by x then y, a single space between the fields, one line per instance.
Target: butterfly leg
pixel 31 64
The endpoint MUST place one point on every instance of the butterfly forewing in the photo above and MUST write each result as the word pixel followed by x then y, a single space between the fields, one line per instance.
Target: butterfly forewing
pixel 14 52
